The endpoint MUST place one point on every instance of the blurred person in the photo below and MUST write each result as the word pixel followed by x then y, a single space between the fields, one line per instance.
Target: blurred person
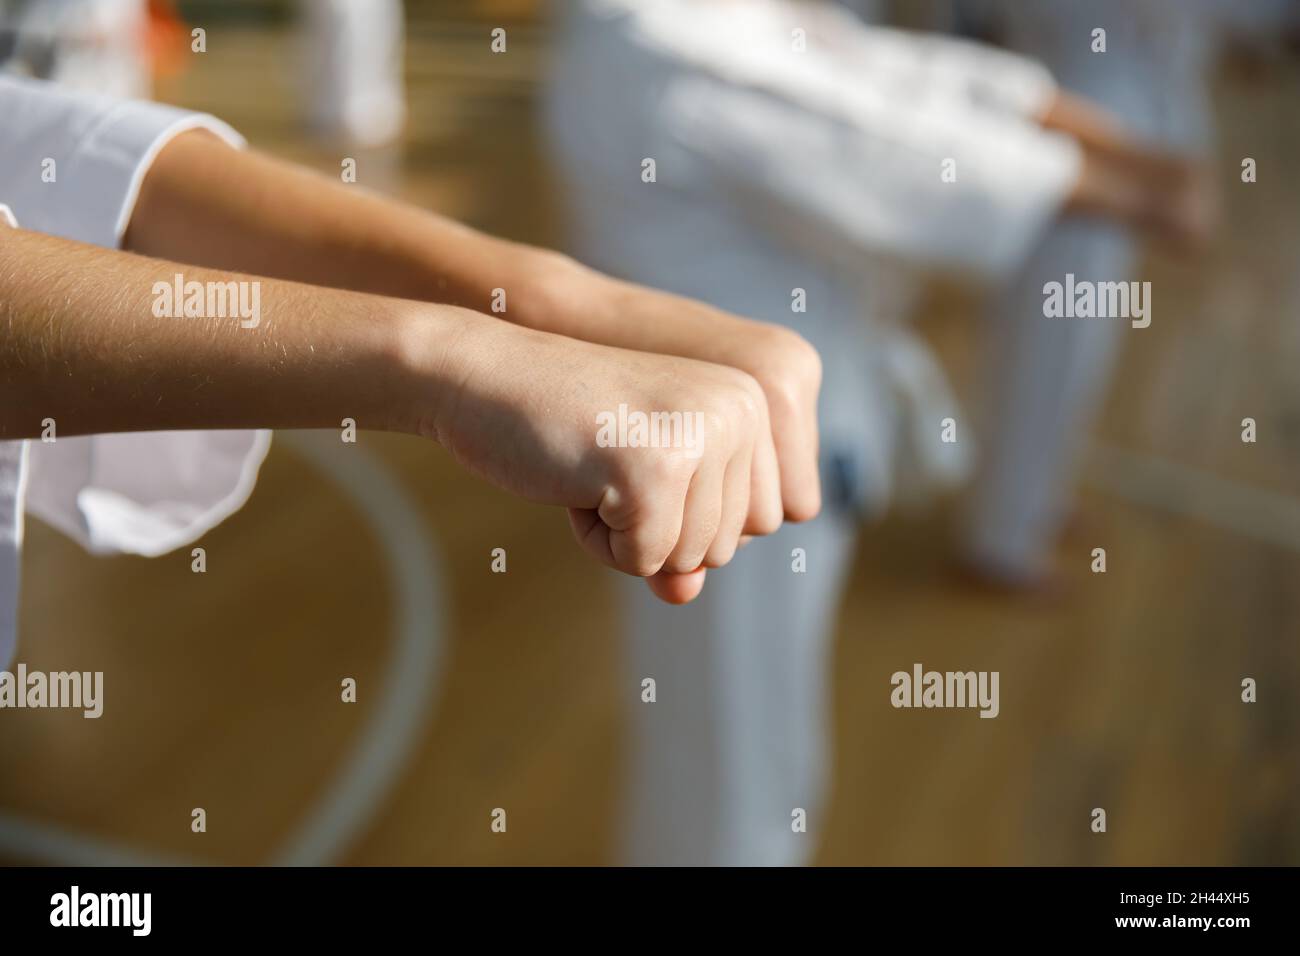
pixel 350 58
pixel 89 44
pixel 782 161
pixel 1045 380
pixel 90 354
pixel 353 56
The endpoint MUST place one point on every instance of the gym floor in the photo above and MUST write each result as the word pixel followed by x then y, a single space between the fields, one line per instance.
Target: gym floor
pixel 373 562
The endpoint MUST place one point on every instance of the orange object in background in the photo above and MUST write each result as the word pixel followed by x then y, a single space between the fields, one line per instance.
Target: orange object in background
pixel 165 39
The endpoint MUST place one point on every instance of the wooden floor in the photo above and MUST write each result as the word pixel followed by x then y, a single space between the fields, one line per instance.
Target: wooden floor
pixel 223 688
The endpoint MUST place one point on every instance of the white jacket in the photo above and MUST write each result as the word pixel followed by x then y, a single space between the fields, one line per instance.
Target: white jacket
pixel 144 493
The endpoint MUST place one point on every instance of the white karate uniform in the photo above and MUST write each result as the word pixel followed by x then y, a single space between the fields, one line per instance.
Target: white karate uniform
pixel 83 44
pixel 145 493
pixel 352 56
pixel 1045 380
pixel 779 170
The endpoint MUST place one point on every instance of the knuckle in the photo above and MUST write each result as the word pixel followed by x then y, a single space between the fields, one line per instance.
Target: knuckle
pixel 798 354
pixel 797 371
pixel 743 402
pixel 680 565
pixel 745 383
pixel 663 469
pixel 807 360
pixel 718 427
pixel 720 555
pixel 804 507
pixel 644 561
pixel 766 521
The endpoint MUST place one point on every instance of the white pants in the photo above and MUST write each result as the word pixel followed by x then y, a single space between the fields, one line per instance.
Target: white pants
pixel 738 738
pixel 774 182
pixel 736 741
pixel 1044 381
pixel 353 58
pixel 95 44
pixel 1046 378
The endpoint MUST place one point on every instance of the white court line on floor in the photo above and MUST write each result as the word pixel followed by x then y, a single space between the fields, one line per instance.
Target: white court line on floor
pixel 47 843
pixel 1167 485
pixel 377 759
pixel 405 699
pixel 411 682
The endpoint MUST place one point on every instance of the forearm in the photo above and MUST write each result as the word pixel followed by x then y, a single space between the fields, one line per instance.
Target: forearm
pixel 207 203
pixel 85 344
pixel 1122 178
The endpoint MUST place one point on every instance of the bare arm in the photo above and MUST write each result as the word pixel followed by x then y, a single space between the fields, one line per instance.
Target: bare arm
pixel 91 342
pixel 1131 182
pixel 205 202
pixel 208 203
pixel 84 346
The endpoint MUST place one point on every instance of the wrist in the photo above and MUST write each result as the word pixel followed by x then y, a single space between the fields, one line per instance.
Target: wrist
pixel 438 353
pixel 555 293
pixel 444 262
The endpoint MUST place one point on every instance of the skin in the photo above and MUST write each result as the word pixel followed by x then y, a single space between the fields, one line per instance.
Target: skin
pixel 382 358
pixel 1158 192
pixel 276 219
pixel 443 372
pixel 349 339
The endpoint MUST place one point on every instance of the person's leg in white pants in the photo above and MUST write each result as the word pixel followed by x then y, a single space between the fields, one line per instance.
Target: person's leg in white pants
pixel 737 737
pixel 353 59
pixel 1046 377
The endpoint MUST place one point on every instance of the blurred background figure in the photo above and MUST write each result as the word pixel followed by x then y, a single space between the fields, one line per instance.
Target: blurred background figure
pixel 1150 69
pixel 86 44
pixel 806 169
pixel 353 52
pixel 1124 693
pixel 350 55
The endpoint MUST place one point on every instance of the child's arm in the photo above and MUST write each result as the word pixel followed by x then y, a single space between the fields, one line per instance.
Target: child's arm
pixel 1132 182
pixel 207 203
pixel 91 341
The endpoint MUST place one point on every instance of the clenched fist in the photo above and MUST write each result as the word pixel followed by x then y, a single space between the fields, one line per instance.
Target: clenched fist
pixel 539 415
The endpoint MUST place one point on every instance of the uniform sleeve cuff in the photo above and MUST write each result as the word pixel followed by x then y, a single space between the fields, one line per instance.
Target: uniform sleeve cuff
pixel 109 165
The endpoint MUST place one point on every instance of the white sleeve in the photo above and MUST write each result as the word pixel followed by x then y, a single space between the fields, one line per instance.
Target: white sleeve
pixel 964 70
pixel 144 493
pixel 869 176
pixel 71 163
